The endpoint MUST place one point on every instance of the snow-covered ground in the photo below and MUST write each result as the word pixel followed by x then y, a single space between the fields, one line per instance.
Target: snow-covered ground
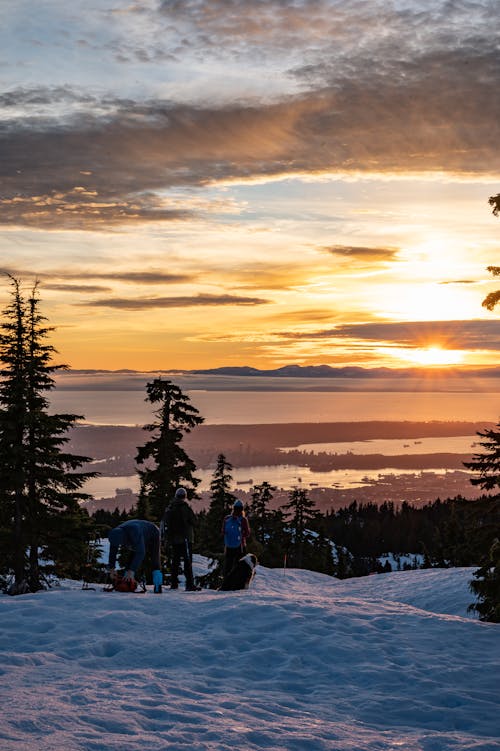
pixel 300 662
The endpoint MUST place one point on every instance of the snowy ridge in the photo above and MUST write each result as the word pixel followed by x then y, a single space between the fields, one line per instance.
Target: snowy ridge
pixel 300 662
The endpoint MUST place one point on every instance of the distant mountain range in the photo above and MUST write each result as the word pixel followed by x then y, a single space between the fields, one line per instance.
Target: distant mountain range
pixel 313 371
pixel 326 371
pixel 299 371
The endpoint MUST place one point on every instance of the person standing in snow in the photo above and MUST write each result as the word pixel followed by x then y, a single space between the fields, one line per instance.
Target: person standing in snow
pixel 236 531
pixel 141 537
pixel 178 525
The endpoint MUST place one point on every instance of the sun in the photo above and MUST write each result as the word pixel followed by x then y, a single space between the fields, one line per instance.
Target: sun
pixel 429 356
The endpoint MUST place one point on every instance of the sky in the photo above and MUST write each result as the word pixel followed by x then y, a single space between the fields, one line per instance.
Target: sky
pixel 203 183
pixel 300 661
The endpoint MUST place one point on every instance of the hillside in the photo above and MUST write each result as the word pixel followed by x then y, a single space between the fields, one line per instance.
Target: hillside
pixel 301 661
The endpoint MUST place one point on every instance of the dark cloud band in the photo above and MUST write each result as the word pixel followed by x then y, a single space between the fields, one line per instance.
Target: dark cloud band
pixel 173 302
pixel 472 335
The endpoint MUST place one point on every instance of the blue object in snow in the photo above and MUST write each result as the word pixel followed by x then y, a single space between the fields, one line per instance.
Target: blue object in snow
pixel 157 580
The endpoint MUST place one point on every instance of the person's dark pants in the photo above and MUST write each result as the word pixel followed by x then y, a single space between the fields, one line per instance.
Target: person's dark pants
pixel 154 552
pixel 231 557
pixel 182 550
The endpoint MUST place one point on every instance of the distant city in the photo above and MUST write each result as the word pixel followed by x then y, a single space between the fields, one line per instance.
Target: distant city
pixel 422 477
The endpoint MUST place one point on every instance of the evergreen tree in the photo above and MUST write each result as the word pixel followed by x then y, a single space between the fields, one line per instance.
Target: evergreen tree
pixel 259 508
pixel 486 585
pixel 277 540
pixel 487 464
pixel 344 564
pixel 301 512
pixel 492 299
pixel 55 519
pixel 167 465
pixel 142 509
pixel 494 201
pixel 13 418
pixel 221 502
pixel 210 541
pixel 321 554
pixel 39 487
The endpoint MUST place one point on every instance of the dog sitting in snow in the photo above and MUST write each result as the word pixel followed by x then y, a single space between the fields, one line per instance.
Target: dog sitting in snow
pixel 241 575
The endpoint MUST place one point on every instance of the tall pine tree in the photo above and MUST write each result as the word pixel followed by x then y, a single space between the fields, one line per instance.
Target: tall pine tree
pixel 39 487
pixel 486 586
pixel 166 464
pixel 301 512
pixel 210 542
pixel 221 502
pixel 13 419
pixel 259 508
pixel 487 464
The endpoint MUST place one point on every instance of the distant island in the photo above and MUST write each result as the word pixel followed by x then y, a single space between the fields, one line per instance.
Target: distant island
pixel 310 371
pixel 348 371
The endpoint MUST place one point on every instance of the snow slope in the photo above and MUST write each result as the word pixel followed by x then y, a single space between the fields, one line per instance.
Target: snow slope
pixel 301 662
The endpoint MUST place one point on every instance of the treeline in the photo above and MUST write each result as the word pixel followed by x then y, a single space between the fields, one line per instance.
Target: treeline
pixel 453 532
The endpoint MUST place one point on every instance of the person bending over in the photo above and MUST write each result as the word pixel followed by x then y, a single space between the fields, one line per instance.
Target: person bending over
pixel 141 537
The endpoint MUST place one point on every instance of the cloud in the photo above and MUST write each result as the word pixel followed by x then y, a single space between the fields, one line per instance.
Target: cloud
pixel 254 275
pixel 75 288
pixel 311 27
pixel 43 95
pixel 79 208
pixel 173 302
pixel 471 335
pixel 362 253
pixel 144 277
pixel 147 277
pixel 377 90
pixel 308 314
pixel 236 24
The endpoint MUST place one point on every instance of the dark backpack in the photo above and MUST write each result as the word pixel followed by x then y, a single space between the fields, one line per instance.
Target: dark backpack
pixel 232 531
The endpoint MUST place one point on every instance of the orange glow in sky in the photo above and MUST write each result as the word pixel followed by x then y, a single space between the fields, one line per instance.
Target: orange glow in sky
pixel 436 356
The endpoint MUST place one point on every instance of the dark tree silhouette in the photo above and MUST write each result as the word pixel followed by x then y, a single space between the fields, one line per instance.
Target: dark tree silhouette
pixel 167 465
pixel 13 418
pixel 486 585
pixel 39 487
pixel 221 502
pixel 210 540
pixel 494 201
pixel 487 464
pixel 301 513
pixel 493 298
pixel 261 516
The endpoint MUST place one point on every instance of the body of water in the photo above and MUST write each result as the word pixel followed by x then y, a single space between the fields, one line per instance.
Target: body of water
pixel 128 407
pixel 282 476
pixel 261 407
pixel 286 476
pixel 395 446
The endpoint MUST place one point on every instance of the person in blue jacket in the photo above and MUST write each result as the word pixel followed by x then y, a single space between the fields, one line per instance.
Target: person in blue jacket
pixel 141 537
pixel 236 531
